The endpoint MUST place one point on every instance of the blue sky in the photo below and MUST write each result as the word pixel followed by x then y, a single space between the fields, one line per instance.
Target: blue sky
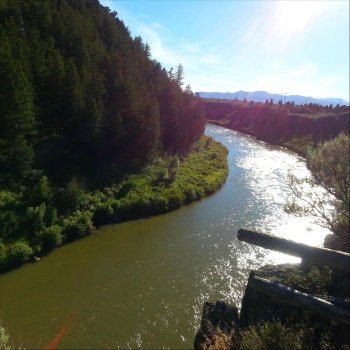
pixel 293 47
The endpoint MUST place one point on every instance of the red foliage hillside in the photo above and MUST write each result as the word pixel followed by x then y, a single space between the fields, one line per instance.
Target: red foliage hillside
pixel 278 123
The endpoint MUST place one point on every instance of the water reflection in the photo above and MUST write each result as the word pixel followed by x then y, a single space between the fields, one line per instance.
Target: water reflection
pixel 263 172
pixel 144 283
pixel 259 176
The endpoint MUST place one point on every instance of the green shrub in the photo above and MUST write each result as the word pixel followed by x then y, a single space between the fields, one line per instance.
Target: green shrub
pixel 11 212
pixel 9 200
pixel 10 224
pixel 91 201
pixel 125 207
pixel 4 339
pixel 141 205
pixel 50 215
pixel 173 166
pixel 157 172
pixel 112 191
pixel 18 253
pixel 312 279
pixel 115 204
pixel 50 238
pixel 134 205
pixel 131 184
pixel 102 214
pixel 68 199
pixel 175 198
pixel 271 336
pixel 77 225
pixel 158 204
pixel 190 194
pixel 166 184
pixel 39 192
pixel 3 257
pixel 34 220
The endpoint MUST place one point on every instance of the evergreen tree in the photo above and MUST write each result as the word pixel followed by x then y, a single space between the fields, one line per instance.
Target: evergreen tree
pixel 179 75
pixel 17 118
pixel 188 90
pixel 97 96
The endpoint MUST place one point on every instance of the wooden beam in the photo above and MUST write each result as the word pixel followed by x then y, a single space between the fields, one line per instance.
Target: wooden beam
pixel 342 302
pixel 310 302
pixel 322 256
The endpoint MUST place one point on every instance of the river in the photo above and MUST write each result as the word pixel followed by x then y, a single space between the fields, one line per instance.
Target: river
pixel 143 283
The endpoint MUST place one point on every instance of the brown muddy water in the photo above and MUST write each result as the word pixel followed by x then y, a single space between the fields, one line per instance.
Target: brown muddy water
pixel 142 284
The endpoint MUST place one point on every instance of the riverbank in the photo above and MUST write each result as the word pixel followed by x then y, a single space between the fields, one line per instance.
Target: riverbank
pixel 299 145
pixel 164 185
pixel 293 127
pixel 129 283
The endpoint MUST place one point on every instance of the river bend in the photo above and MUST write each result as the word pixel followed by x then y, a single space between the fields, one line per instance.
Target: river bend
pixel 143 283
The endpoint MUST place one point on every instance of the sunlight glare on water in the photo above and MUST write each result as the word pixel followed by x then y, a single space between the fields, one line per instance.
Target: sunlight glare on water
pixel 142 284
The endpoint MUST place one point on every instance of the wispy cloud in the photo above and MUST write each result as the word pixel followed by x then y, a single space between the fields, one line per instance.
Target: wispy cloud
pixel 150 35
pixel 158 26
pixel 270 46
pixel 190 47
pixel 168 48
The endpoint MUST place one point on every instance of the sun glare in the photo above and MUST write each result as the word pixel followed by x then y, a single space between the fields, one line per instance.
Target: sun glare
pixel 294 16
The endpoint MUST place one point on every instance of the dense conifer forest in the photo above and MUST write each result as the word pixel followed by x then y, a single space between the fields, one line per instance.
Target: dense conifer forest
pixel 79 96
pixel 82 108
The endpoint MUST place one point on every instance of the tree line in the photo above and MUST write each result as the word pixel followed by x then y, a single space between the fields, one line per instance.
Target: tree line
pixel 79 96
pixel 83 106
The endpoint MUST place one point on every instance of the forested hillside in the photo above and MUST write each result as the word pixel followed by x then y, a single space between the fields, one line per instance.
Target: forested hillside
pixel 79 96
pixel 92 130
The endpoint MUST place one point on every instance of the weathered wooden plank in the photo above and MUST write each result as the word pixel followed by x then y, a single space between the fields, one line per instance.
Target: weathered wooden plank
pixel 322 256
pixel 295 297
pixel 342 302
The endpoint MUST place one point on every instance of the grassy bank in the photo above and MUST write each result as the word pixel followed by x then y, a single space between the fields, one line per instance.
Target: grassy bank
pixel 298 145
pixel 39 218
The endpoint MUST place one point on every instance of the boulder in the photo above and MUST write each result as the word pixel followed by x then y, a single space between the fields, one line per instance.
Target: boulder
pixel 219 324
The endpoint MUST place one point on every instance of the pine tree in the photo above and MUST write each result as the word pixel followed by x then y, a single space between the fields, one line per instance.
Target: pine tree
pixel 179 75
pixel 17 118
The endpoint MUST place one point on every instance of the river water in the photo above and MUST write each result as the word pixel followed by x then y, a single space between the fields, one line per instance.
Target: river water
pixel 142 284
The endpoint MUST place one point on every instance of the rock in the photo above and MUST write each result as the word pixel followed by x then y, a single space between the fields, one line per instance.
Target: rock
pixel 219 323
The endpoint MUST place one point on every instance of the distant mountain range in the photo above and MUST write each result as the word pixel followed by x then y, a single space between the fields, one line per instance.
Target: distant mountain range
pixel 262 96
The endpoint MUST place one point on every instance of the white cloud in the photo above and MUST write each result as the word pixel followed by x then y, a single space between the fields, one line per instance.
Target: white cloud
pixel 158 51
pixel 171 50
